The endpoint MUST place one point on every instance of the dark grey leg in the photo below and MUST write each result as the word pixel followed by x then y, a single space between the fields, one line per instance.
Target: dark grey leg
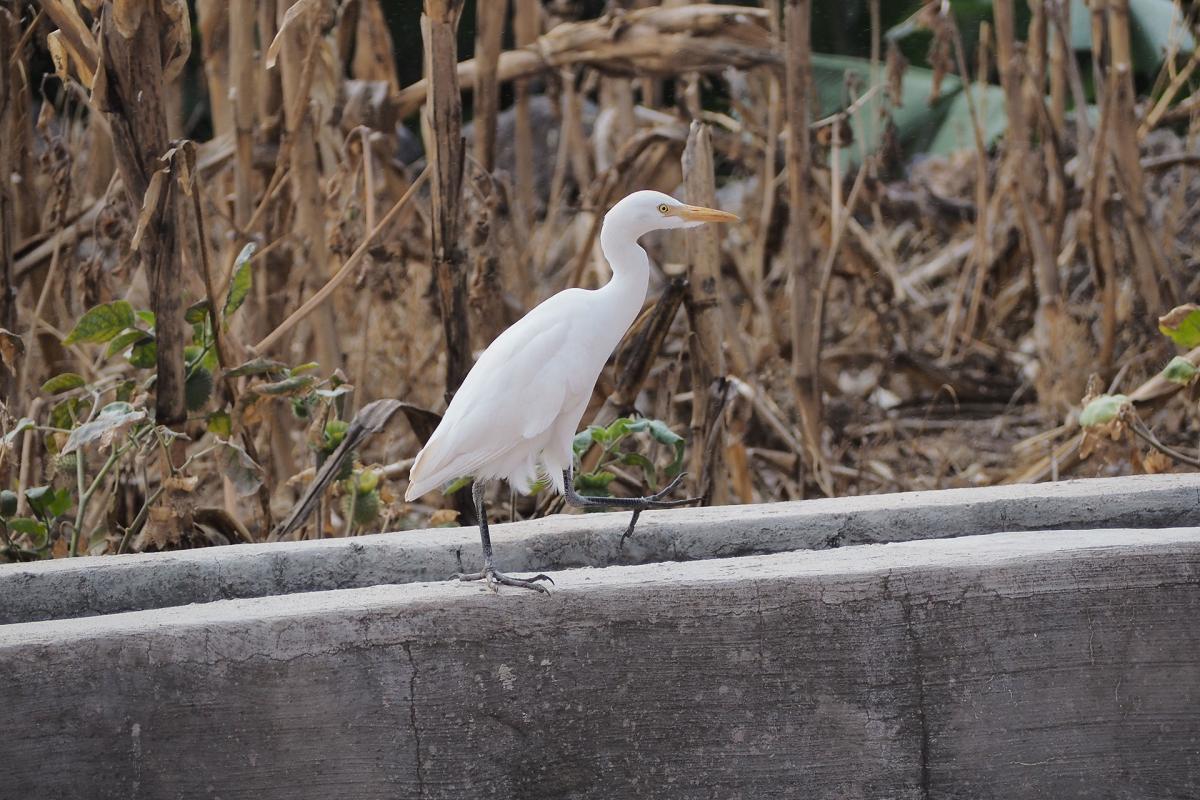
pixel 636 504
pixel 489 572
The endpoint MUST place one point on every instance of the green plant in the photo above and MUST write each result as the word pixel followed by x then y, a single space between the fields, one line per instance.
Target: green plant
pixel 94 434
pixel 1112 415
pixel 616 443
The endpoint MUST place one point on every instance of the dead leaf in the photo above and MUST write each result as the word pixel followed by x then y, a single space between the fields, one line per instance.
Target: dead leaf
pixel 303 9
pixel 443 516
pixel 12 348
pixel 181 483
pixel 1156 463
pixel 149 206
pixel 59 55
pixel 177 39
pixel 127 15
pixel 162 526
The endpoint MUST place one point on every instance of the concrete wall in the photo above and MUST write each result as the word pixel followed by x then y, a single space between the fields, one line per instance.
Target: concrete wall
pixel 75 587
pixel 1015 665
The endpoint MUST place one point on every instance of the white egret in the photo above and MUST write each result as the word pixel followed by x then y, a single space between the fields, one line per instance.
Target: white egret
pixel 518 409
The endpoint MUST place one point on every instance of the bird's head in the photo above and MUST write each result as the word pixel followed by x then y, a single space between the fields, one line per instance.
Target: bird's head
pixel 645 211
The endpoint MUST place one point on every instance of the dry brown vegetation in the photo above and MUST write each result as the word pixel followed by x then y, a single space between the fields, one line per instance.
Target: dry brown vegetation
pixel 874 325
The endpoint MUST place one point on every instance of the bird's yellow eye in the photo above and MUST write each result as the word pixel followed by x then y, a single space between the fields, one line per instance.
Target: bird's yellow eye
pixel 663 208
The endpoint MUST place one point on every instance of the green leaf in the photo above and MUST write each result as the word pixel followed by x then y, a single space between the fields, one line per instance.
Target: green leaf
pixel 639 460
pixel 337 391
pixel 125 339
pixel 108 424
pixel 257 366
pixel 663 434
pixel 245 475
pixel 1180 371
pixel 598 433
pixel 23 424
pixel 147 317
pixel 197 312
pixel 1102 410
pixel 457 484
pixel 125 390
pixel 286 387
pixel 63 383
pixel 65 414
pixel 49 502
pixel 335 431
pixel 27 526
pixel 219 423
pixel 8 503
pixel 581 442
pixel 242 282
pixel 197 388
pixel 102 323
pixel 144 354
pixel 617 430
pixel 1182 325
pixel 307 366
pixel 593 483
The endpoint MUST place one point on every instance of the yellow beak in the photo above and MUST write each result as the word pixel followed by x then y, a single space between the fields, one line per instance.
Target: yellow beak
pixel 702 214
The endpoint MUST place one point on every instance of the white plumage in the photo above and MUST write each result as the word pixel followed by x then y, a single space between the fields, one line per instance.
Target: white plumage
pixel 519 407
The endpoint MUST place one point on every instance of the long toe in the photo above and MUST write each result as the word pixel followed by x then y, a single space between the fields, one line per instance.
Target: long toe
pixel 650 504
pixel 522 583
pixel 495 579
pixel 670 487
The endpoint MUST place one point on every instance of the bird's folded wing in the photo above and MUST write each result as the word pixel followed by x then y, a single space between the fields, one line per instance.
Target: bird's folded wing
pixel 514 393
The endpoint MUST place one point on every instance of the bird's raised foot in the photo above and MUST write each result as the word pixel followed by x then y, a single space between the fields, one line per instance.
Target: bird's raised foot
pixel 495 579
pixel 654 501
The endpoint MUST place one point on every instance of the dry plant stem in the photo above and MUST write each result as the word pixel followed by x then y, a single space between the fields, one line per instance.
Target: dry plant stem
pixel 704 306
pixel 1137 426
pixel 663 42
pixel 51 278
pixel 1164 101
pixel 245 104
pixel 368 167
pixel 443 124
pixel 489 33
pixel 981 253
pixel 308 198
pixel 1148 261
pixel 805 370
pixel 839 230
pixel 343 273
pixel 1095 227
pixel 129 91
pixel 9 100
pixel 526 28
pixel 27 459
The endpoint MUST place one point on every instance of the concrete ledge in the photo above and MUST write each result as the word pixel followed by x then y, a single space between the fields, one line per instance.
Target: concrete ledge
pixel 1007 666
pixel 87 586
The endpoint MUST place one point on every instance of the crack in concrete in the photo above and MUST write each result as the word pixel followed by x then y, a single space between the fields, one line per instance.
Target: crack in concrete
pixel 918 652
pixel 412 717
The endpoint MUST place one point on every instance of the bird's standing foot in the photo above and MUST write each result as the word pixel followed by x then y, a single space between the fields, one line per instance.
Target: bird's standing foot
pixel 495 579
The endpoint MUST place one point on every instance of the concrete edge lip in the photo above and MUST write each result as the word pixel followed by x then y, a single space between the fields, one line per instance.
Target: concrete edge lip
pixel 936 555
pixel 114 584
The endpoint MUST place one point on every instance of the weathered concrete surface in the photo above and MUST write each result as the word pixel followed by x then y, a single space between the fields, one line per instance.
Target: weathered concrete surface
pixel 1004 666
pixel 85 586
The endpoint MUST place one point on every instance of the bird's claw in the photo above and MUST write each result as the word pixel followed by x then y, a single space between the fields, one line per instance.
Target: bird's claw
pixel 495 579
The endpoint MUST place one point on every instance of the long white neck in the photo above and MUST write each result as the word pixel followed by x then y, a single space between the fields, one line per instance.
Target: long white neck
pixel 630 268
